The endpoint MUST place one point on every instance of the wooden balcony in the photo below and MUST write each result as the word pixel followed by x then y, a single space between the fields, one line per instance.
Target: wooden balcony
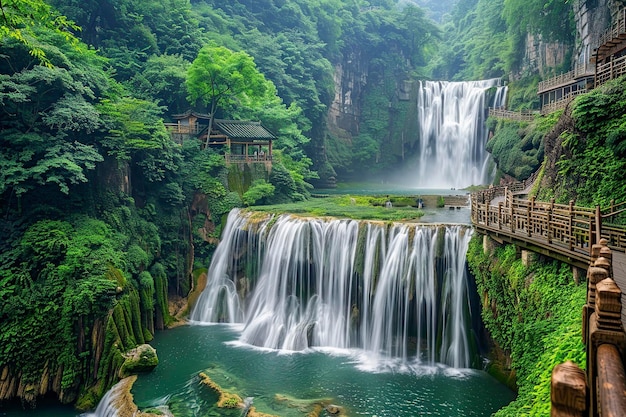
pixel 580 71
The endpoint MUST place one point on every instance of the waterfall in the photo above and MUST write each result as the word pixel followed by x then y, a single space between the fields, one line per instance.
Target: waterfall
pixel 452 132
pixel 396 290
pixel 109 405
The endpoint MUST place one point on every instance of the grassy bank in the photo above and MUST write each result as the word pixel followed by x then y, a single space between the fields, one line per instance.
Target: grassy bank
pixel 352 207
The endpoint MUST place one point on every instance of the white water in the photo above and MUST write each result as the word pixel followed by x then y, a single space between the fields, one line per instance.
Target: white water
pixel 107 406
pixel 452 133
pixel 396 291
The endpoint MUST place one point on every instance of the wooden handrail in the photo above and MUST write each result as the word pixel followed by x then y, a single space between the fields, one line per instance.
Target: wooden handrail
pixel 564 229
pixel 580 70
pixel 502 113
pixel 577 233
pixel 611 379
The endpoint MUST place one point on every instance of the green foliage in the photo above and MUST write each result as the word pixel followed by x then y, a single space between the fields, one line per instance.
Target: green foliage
pixel 353 207
pixel 553 20
pixel 163 80
pixel 522 94
pixel 486 38
pixel 257 192
pixel 21 19
pixel 132 125
pixel 592 167
pixel 518 147
pixel 533 313
pixel 48 298
pixel 219 77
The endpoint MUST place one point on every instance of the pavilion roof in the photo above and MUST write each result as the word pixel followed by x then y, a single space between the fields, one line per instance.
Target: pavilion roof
pixel 243 129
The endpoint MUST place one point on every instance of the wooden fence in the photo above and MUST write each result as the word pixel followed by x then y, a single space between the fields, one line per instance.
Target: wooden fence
pixel 581 236
pixel 579 71
pixel 565 229
pixel 611 70
pixel 502 113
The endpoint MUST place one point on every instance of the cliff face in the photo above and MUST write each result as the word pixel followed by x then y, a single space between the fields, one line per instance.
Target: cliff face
pixel 593 17
pixel 542 57
pixel 345 110
pixel 371 120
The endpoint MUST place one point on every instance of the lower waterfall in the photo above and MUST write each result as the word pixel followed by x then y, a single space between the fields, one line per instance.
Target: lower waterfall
pixel 395 290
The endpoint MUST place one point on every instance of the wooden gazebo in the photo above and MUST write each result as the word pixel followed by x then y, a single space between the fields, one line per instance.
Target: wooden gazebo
pixel 242 141
pixel 245 141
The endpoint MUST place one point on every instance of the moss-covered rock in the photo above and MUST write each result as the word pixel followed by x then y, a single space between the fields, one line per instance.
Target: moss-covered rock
pixel 143 358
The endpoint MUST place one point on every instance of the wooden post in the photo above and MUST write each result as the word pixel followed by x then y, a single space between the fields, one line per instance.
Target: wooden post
pixel 598 226
pixel 570 233
pixel 611 381
pixel 531 207
pixel 568 391
pixel 500 215
pixel 512 215
pixel 613 206
pixel 550 233
pixel 605 328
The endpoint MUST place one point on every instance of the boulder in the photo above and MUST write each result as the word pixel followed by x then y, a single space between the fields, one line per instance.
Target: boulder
pixel 143 358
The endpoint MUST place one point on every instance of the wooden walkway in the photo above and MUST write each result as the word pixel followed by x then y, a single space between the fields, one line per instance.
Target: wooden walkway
pixel 588 238
pixel 563 232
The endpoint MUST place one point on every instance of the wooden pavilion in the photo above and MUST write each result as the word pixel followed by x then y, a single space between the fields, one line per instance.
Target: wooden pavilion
pixel 241 141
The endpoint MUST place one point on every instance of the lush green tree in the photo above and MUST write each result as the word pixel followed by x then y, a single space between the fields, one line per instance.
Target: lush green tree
pixel 221 77
pixel 20 19
pixel 49 116
pixel 259 190
pixel 163 80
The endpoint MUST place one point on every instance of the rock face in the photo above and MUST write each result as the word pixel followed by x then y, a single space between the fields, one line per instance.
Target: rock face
pixel 141 359
pixel 593 18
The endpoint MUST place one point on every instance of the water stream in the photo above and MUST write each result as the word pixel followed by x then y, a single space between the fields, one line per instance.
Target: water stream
pixel 393 290
pixel 452 132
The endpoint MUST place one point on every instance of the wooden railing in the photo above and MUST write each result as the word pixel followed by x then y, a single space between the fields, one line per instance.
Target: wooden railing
pixel 176 128
pixel 502 113
pixel 581 236
pixel 233 159
pixel 563 229
pixel 562 102
pixel 580 70
pixel 601 390
pixel 618 28
pixel 611 70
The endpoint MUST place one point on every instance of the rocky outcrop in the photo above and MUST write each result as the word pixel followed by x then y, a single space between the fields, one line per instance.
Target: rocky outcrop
pixel 143 358
pixel 12 385
pixel 541 57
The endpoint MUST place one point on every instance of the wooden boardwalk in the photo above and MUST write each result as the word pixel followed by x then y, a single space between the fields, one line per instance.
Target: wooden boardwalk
pixel 578 236
pixel 563 232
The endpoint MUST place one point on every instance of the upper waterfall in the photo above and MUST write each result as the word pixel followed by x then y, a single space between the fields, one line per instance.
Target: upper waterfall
pixel 452 132
pixel 396 290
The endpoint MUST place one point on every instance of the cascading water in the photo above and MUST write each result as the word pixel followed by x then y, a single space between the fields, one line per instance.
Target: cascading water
pixel 109 405
pixel 452 132
pixel 398 291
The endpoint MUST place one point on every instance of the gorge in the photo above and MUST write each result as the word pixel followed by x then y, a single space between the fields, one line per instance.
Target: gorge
pixel 109 224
